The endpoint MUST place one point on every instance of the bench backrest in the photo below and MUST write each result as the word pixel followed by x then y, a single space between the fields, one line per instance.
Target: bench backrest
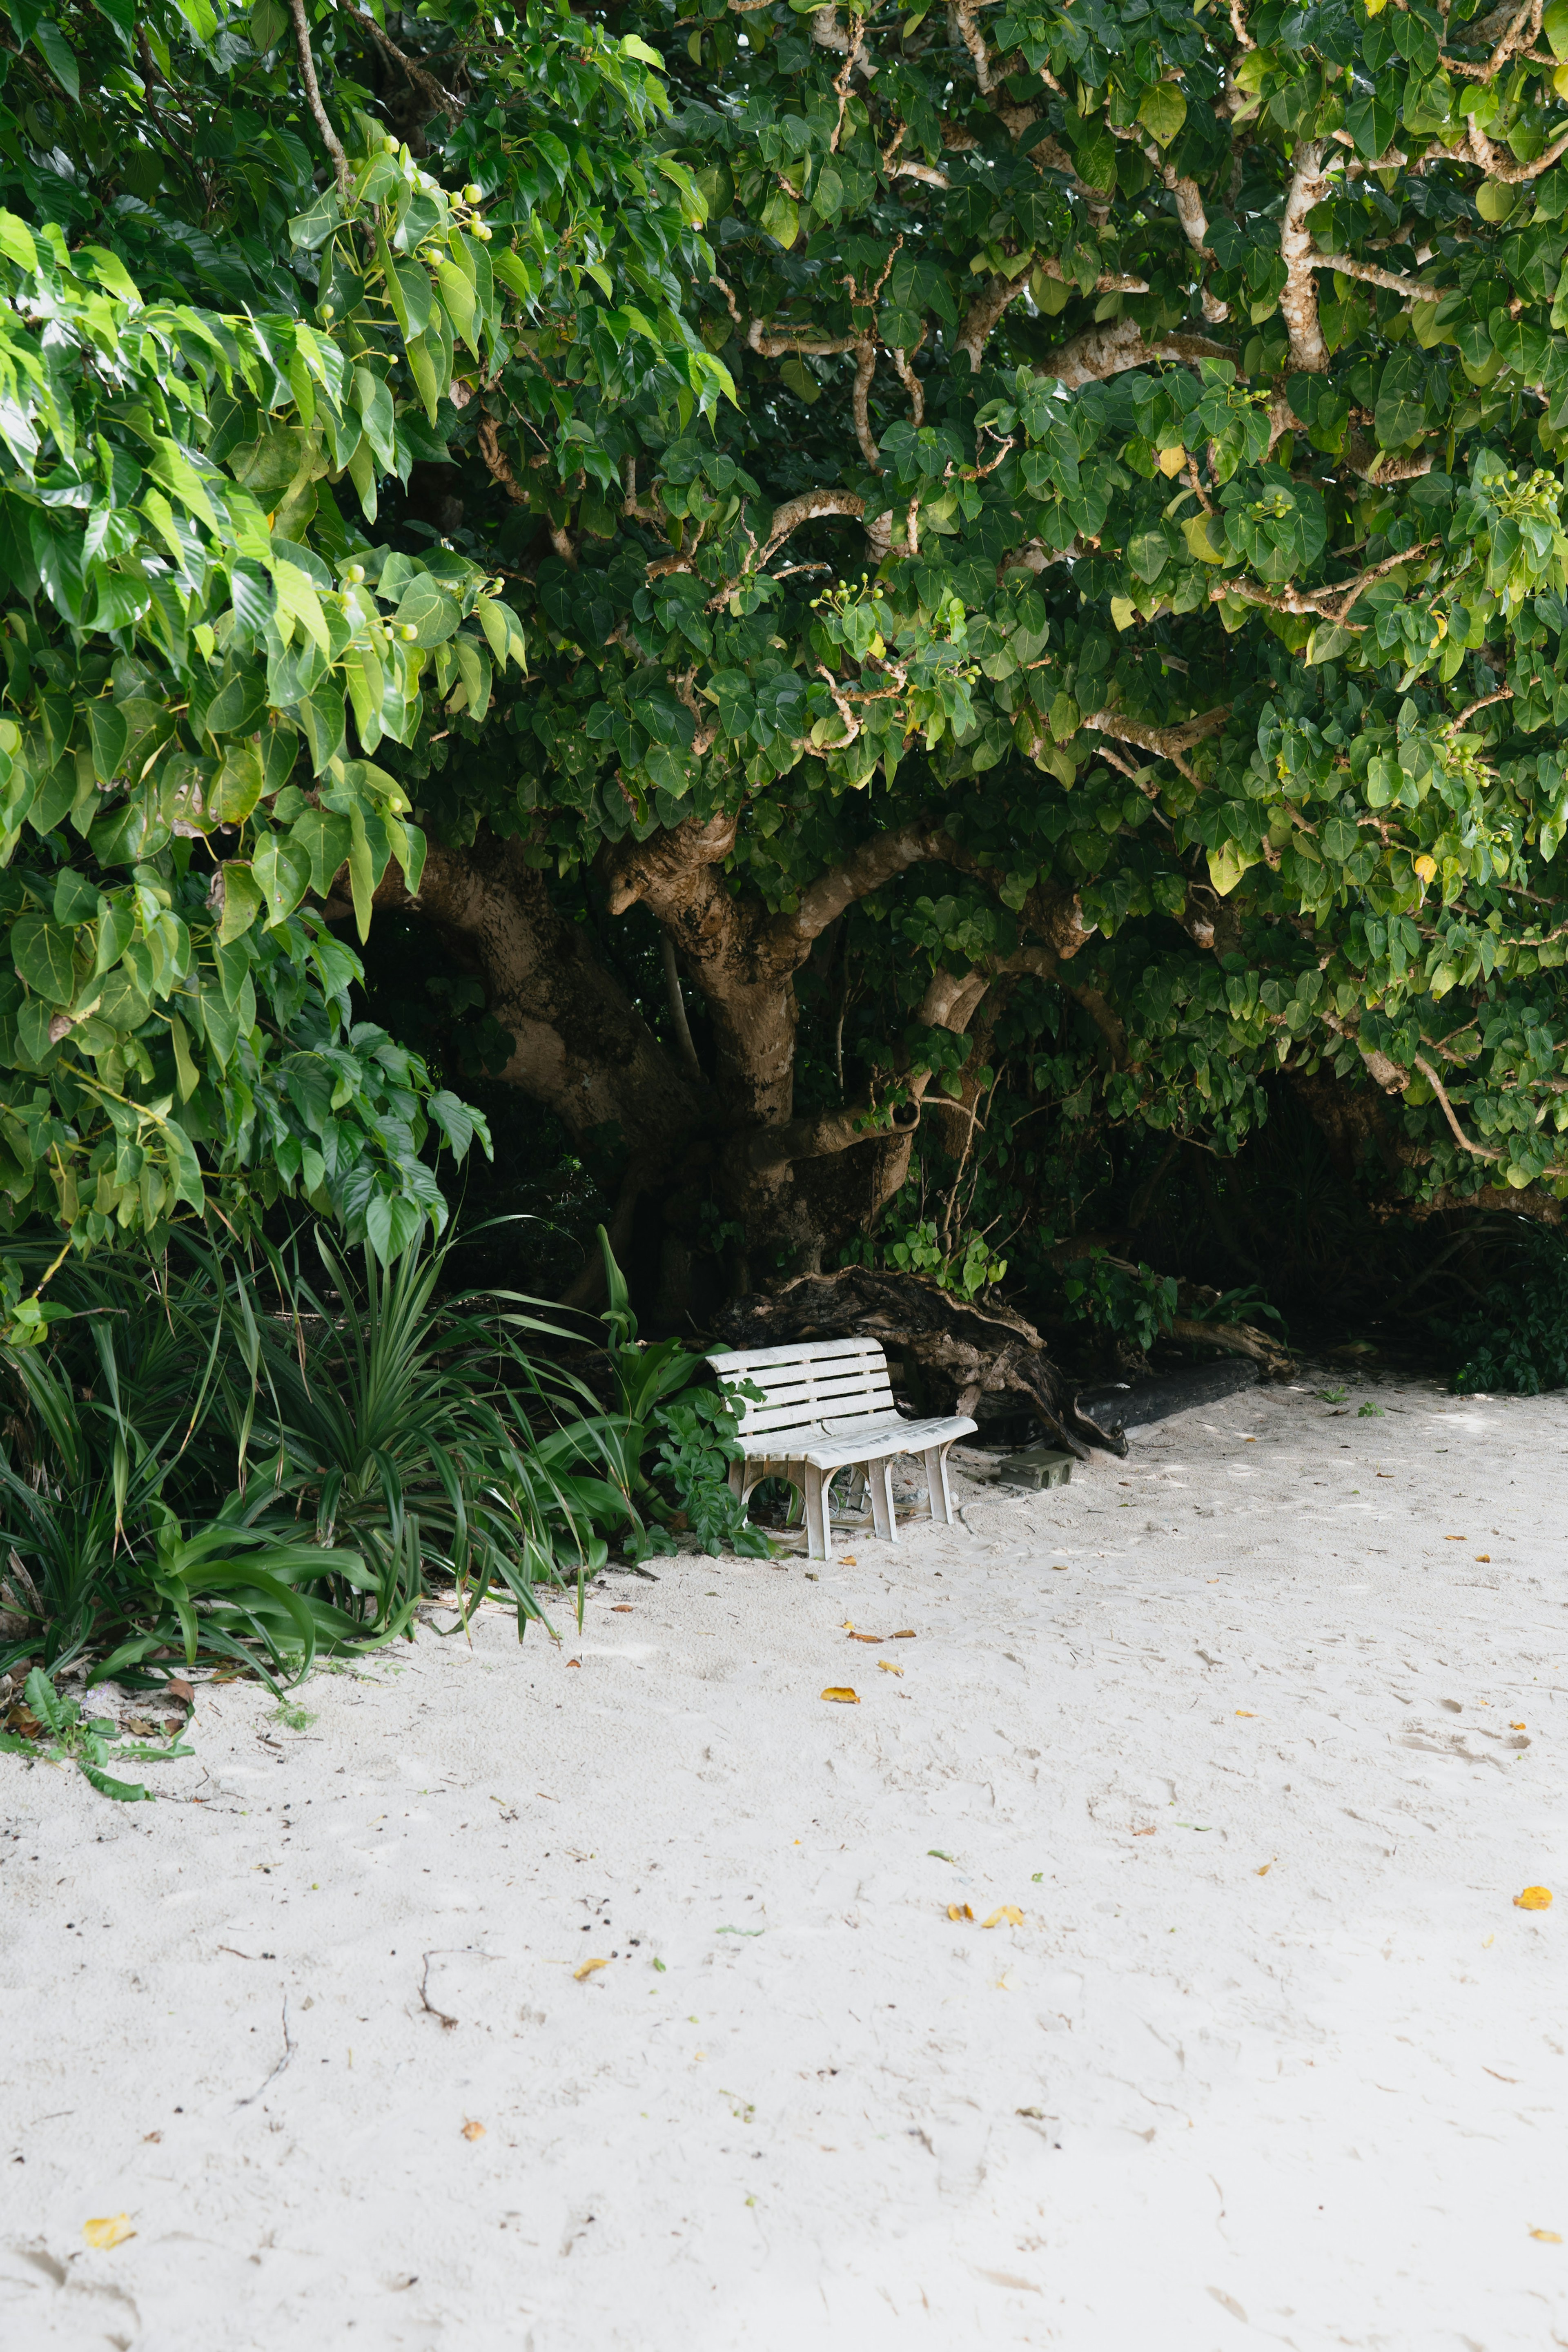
pixel 809 1381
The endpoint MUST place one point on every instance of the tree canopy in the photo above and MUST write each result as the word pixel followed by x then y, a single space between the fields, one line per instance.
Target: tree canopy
pixel 1026 538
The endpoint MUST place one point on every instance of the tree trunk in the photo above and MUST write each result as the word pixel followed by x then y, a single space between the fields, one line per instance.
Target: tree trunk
pixel 795 1189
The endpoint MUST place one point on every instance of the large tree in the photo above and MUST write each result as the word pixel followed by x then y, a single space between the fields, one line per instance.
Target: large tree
pixel 1017 533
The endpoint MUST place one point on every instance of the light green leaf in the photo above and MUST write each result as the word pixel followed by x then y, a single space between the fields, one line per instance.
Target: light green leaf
pixel 1163 111
pixel 242 901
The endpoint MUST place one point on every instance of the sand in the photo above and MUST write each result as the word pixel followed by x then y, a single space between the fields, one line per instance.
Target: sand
pixel 1260 1731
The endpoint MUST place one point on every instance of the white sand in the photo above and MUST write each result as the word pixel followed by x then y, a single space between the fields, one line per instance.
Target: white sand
pixel 1184 2101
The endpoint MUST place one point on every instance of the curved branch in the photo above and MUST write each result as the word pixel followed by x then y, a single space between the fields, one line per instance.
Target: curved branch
pixel 810 506
pixel 439 100
pixel 1119 344
pixel 1480 1150
pixel 330 139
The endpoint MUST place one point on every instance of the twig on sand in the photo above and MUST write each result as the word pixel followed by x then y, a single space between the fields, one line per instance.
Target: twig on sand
pixel 449 2024
pixel 288 2054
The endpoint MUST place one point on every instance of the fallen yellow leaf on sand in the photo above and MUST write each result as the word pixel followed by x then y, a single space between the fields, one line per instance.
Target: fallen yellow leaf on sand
pixel 888 1667
pixel 1248 1713
pixel 849 1559
pixel 960 1911
pixel 1516 1727
pixel 588 1968
pixel 842 1694
pixel 1010 1914
pixel 471 2130
pixel 1061 1565
pixel 1266 1867
pixel 906 1635
pixel 865 1637
pixel 1485 1557
pixel 1547 2237
pixel 1534 1898
pixel 109 2230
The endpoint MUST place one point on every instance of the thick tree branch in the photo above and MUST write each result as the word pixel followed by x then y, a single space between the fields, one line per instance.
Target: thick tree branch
pixel 1299 302
pixel 1348 266
pixel 1119 344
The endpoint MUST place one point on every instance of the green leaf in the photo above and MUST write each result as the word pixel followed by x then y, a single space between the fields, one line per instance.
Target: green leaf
pixel 41 952
pixel 187 1076
pixel 109 734
pixel 782 218
pixel 311 229
pixel 16 242
pixel 1163 111
pixel 243 901
pixel 60 57
pixel 427 609
pixel 283 873
pixel 1371 121
pixel 268 23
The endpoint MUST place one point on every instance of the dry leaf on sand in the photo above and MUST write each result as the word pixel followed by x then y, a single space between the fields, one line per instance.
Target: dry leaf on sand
pixel 842 1695
pixel 1248 1713
pixel 1548 2237
pixel 1534 1898
pixel 1008 1916
pixel 887 1666
pixel 471 2130
pixel 960 1911
pixel 865 1637
pixel 1266 1867
pixel 906 1634
pixel 588 1968
pixel 109 2230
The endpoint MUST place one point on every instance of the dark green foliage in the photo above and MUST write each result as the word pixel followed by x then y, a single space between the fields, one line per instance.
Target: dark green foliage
pixel 1517 1339
pixel 212 1459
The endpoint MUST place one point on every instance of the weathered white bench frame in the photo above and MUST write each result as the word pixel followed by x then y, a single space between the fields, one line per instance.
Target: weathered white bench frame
pixel 828 1406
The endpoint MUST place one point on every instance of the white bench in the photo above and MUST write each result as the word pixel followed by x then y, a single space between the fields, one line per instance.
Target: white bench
pixel 826 1405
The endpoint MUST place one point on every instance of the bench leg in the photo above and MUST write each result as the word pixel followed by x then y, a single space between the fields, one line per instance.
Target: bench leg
pixel 817 1521
pixel 936 1484
pixel 884 1517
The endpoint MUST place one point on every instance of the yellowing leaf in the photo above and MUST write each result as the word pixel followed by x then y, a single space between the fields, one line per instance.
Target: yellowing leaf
pixel 1123 612
pixel 960 1911
pixel 1171 461
pixel 1534 1898
pixel 1010 1914
pixel 109 2230
pixel 1228 864
pixel 1426 867
pixel 588 1968
pixel 887 1666
pixel 842 1694
pixel 471 2130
